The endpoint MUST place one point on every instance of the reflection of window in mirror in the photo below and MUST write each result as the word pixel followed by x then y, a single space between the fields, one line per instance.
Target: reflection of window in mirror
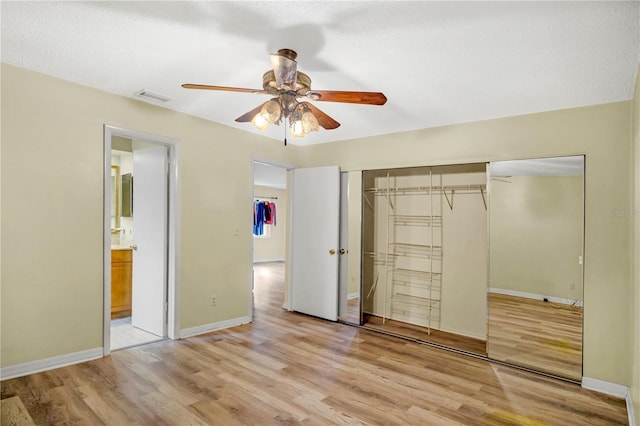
pixel 115 198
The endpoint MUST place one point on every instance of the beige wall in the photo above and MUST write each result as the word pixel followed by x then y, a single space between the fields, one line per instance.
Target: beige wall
pixel 274 247
pixel 634 339
pixel 536 235
pixel 52 231
pixel 602 132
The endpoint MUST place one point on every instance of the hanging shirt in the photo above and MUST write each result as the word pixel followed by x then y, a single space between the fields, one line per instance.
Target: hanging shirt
pixel 272 208
pixel 268 220
pixel 258 218
pixel 270 213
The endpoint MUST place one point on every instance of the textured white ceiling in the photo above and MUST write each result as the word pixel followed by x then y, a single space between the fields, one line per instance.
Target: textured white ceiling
pixel 437 62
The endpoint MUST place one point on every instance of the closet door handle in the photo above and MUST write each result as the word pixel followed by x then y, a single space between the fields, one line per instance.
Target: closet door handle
pixel 343 251
pixel 332 252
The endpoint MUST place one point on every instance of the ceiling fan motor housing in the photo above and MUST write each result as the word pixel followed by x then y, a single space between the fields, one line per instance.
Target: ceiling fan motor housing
pixel 288 53
pixel 269 82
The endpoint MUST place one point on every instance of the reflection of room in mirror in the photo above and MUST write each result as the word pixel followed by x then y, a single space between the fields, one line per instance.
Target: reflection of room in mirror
pixel 544 336
pixel 536 223
pixel 353 310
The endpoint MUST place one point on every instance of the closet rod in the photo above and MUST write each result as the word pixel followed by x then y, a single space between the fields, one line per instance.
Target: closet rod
pixel 268 198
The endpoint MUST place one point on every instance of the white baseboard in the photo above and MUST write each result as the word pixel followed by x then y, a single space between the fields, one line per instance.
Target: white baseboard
pixel 630 414
pixel 535 296
pixel 45 364
pixel 353 295
pixel 207 328
pixel 612 389
pixel 275 259
pixel 602 386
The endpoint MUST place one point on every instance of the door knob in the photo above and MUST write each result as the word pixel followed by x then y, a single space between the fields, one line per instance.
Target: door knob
pixel 343 251
pixel 332 251
pixel 133 246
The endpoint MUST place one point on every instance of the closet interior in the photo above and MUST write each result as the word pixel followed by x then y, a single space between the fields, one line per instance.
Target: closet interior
pixel 424 254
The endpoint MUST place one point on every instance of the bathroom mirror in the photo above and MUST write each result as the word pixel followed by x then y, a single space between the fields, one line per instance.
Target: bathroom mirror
pixel 121 183
pixel 115 198
pixel 126 184
pixel 535 295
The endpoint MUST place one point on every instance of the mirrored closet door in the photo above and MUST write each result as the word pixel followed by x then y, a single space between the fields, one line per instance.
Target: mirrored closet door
pixel 536 224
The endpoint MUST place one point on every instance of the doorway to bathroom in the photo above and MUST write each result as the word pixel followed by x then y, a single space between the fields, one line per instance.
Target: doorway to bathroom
pixel 139 260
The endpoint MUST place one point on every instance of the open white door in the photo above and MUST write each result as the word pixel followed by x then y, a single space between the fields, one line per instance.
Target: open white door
pixel 150 235
pixel 314 241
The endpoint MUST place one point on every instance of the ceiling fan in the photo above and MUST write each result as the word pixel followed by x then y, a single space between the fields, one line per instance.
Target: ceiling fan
pixel 286 85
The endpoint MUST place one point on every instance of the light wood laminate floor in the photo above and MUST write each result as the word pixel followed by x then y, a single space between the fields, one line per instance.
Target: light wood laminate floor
pixel 288 368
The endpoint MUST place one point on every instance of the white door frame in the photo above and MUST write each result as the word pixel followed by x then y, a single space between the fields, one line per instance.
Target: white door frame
pixel 288 167
pixel 173 242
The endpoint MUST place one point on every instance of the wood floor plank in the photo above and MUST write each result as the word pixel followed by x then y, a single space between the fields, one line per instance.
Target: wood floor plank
pixel 13 412
pixel 291 369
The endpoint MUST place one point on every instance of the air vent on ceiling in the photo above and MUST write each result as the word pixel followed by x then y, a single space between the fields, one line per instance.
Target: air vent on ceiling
pixel 148 95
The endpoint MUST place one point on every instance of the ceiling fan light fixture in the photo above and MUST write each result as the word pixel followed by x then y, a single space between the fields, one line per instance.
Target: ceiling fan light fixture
pixel 295 122
pixel 297 130
pixel 309 122
pixel 302 121
pixel 259 122
pixel 271 111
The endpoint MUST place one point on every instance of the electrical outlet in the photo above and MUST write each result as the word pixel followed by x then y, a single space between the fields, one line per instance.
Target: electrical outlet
pixel 213 300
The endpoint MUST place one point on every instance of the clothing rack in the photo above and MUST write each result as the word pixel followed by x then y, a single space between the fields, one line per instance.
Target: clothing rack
pixel 266 198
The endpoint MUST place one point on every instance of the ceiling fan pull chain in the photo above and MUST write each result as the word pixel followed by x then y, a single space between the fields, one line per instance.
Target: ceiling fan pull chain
pixel 285 131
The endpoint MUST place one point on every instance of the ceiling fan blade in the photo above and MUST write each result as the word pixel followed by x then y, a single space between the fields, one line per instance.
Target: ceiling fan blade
pixel 244 118
pixel 221 88
pixel 368 98
pixel 323 119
